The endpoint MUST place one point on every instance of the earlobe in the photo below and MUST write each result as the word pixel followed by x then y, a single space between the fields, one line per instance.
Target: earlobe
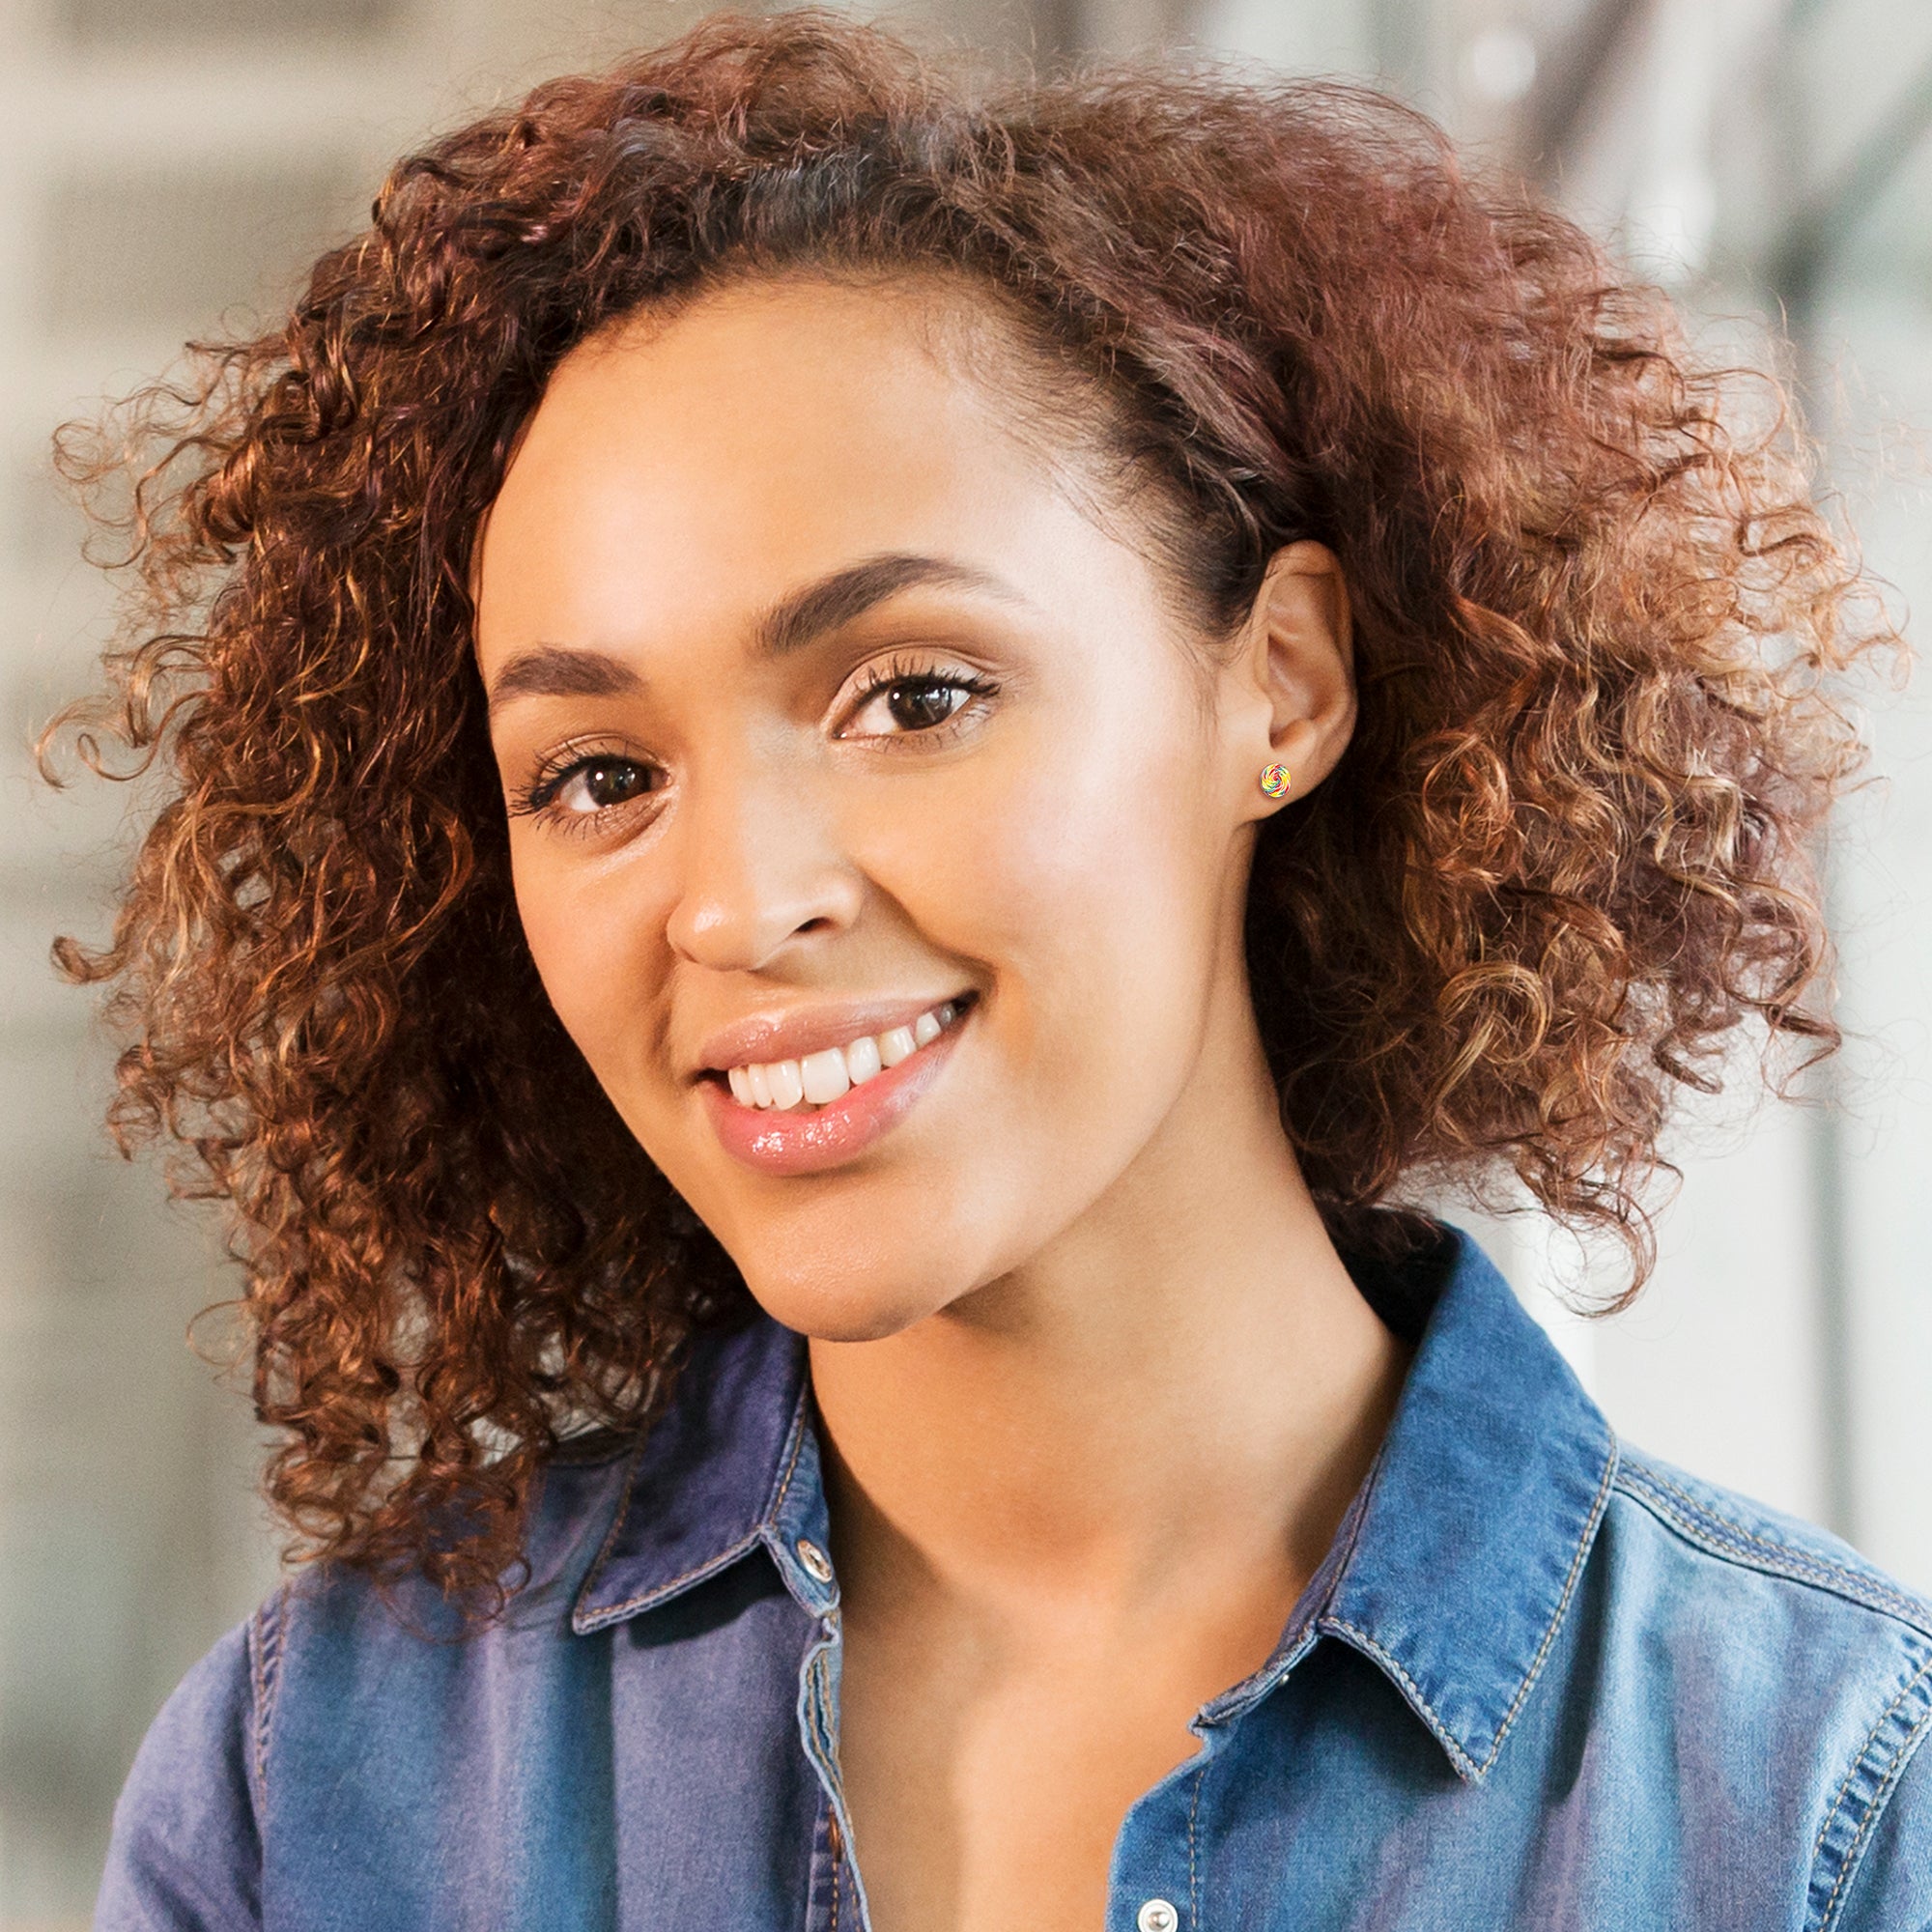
pixel 1303 666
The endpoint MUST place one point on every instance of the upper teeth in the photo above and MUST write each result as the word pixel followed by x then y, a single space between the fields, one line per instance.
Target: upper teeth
pixel 823 1076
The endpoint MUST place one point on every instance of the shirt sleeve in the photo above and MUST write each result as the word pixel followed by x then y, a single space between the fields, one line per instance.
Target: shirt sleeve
pixel 1890 1885
pixel 186 1851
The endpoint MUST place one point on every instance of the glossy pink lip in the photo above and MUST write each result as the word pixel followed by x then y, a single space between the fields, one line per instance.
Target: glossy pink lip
pixel 808 1029
pixel 814 1139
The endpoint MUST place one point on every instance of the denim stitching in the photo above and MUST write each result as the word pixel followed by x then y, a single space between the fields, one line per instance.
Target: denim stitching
pixel 832 1839
pixel 616 1524
pixel 1359 1518
pixel 1459 1755
pixel 1298 1639
pixel 696 1573
pixel 1726 1537
pixel 1806 1562
pixel 1463 1760
pixel 711 1564
pixel 784 1489
pixel 1845 1784
pixel 1855 1850
pixel 1864 1751
pixel 257 1687
pixel 1900 1759
pixel 265 1661
pixel 1317 1616
pixel 1583 1544
pixel 1193 1872
pixel 1852 1770
pixel 832 1853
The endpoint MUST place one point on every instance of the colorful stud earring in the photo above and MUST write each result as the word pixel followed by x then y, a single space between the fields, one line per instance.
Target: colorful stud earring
pixel 1275 780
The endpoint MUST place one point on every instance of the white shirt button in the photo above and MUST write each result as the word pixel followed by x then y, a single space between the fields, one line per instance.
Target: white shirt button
pixel 1158 1916
pixel 813 1560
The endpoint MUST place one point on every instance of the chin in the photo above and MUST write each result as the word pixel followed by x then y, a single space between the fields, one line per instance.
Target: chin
pixel 854 1297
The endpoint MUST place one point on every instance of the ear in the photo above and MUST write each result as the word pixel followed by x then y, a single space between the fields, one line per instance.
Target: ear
pixel 1297 672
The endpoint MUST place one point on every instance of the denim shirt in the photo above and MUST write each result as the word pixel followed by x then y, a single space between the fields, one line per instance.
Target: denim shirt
pixel 1541 1681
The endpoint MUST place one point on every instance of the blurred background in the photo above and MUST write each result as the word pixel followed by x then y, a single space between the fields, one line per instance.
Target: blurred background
pixel 170 162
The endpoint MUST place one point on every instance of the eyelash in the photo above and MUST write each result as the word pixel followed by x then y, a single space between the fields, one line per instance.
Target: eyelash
pixel 901 670
pixel 538 799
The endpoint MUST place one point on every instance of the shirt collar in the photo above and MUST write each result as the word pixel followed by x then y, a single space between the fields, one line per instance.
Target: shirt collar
pixel 1452 1572
pixel 1461 1555
pixel 730 1467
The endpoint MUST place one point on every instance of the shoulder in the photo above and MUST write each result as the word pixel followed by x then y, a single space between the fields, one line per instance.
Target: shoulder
pixel 339 1635
pixel 1780 1602
pixel 1748 1539
pixel 294 1695
pixel 1771 1648
pixel 185 1850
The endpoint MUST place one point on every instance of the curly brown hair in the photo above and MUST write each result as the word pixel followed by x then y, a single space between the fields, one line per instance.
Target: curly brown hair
pixel 1599 623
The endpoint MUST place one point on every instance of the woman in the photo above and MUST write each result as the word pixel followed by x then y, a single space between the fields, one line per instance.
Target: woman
pixel 862 780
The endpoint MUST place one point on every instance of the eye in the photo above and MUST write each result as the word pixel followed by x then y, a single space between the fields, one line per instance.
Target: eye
pixel 917 703
pixel 579 788
pixel 598 784
pixel 894 703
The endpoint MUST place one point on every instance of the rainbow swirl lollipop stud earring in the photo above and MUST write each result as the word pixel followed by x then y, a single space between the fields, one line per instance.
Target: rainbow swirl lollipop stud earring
pixel 1275 780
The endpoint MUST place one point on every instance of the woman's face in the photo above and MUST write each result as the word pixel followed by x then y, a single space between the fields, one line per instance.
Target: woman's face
pixel 848 751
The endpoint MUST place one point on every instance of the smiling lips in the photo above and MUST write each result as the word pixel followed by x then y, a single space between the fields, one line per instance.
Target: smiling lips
pixel 820 1078
pixel 793 1117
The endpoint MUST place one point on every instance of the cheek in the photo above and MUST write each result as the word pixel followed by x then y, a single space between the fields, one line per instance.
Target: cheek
pixel 590 932
pixel 1084 879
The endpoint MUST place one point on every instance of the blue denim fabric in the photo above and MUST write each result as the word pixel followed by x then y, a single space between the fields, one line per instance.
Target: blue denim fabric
pixel 1540 1681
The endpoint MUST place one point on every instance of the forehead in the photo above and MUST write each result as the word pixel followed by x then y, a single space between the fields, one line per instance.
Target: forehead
pixel 765 429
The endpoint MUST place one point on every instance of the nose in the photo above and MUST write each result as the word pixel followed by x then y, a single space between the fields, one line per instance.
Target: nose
pixel 761 865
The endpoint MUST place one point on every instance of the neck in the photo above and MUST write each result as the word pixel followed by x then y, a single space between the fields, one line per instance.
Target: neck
pixel 1185 1379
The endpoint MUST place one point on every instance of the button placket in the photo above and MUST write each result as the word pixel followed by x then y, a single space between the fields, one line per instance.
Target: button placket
pixel 834 1905
pixel 1152 1886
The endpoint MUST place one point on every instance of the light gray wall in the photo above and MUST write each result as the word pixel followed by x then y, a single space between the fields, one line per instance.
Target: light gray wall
pixel 1789 1330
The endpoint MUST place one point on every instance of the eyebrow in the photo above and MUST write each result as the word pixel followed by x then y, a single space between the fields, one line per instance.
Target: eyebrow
pixel 555 671
pixel 807 615
pixel 794 621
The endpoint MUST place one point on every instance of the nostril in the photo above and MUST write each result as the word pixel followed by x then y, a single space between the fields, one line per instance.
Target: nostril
pixel 740 929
